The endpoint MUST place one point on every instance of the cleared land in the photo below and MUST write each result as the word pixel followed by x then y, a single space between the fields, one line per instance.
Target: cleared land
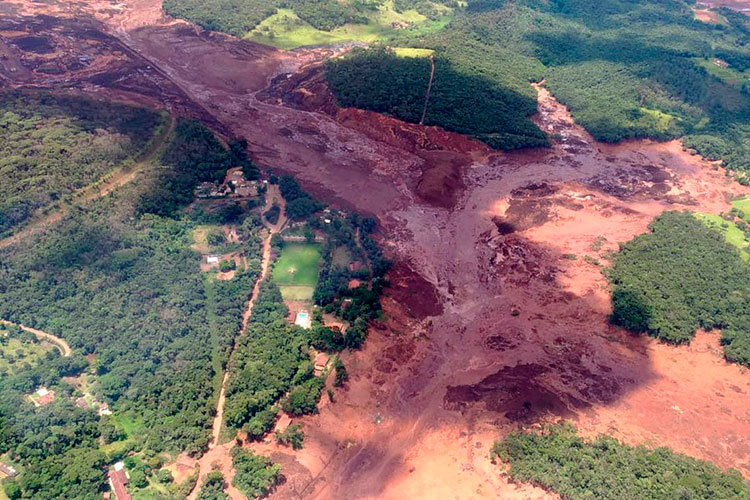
pixel 15 353
pixel 731 232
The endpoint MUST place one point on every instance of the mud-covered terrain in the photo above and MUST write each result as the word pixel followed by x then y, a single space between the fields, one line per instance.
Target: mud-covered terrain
pixel 490 322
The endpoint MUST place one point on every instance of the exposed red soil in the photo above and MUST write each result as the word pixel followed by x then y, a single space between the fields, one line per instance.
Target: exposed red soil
pixel 487 324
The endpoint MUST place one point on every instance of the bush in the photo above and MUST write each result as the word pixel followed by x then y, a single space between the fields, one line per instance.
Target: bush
pixel 256 476
pixel 341 374
pixel 292 436
pixel 303 399
pixel 272 214
pixel 227 265
pixel 327 339
pixel 260 424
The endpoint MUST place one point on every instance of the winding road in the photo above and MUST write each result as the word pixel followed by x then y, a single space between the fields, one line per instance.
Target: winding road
pixel 59 343
pixel 98 189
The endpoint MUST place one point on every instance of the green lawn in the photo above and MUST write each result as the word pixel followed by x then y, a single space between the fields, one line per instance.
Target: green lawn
pixel 297 292
pixel 731 232
pixel 14 353
pixel 287 31
pixel 411 52
pixel 298 264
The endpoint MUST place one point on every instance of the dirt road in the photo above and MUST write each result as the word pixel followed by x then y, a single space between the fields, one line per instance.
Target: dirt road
pixel 96 190
pixel 217 453
pixel 59 343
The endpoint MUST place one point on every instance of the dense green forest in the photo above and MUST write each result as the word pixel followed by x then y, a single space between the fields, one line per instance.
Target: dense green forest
pixel 124 286
pixel 624 68
pixel 680 277
pixel 381 81
pixel 558 459
pixel 52 146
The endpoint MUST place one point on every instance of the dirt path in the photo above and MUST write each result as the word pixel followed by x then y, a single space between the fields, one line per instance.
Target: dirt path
pixel 98 189
pixel 219 454
pixel 61 345
pixel 429 88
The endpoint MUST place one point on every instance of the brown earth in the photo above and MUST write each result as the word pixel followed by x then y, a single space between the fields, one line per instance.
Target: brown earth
pixel 488 324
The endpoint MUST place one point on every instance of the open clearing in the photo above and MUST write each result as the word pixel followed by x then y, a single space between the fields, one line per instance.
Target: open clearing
pixel 285 30
pixel 15 353
pixel 731 232
pixel 298 265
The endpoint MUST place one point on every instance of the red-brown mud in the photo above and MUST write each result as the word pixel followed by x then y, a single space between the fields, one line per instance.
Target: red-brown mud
pixel 496 316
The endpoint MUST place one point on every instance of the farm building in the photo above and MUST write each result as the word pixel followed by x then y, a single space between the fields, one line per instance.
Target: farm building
pixel 42 397
pixel 118 478
pixel 8 471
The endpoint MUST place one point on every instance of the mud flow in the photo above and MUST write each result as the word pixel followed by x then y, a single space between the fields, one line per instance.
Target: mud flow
pixel 496 314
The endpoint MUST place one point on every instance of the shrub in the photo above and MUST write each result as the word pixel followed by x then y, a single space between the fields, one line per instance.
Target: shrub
pixel 292 436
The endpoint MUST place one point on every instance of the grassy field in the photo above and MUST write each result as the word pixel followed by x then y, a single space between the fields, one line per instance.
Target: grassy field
pixel 296 271
pixel 297 265
pixel 410 52
pixel 200 238
pixel 285 30
pixel 731 232
pixel 14 354
pixel 129 426
pixel 728 74
pixel 342 257
pixel 744 205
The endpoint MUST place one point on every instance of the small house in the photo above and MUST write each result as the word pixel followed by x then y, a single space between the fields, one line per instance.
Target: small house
pixel 118 478
pixel 212 259
pixel 8 471
pixel 321 362
pixel 43 397
pixel 104 410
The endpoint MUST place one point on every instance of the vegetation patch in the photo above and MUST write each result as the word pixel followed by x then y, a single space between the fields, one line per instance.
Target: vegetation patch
pixel 680 277
pixel 256 476
pixel 54 146
pixel 381 81
pixel 558 459
pixel 269 361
